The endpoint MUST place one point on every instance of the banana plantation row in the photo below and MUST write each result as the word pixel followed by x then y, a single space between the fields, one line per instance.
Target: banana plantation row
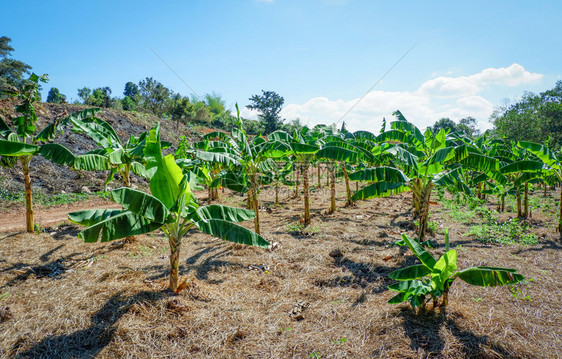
pixel 398 159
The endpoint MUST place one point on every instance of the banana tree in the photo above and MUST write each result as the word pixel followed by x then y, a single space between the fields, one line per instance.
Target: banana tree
pixel 23 143
pixel 552 167
pixel 254 158
pixel 209 159
pixel 170 207
pixel 420 162
pixel 112 153
pixel 433 278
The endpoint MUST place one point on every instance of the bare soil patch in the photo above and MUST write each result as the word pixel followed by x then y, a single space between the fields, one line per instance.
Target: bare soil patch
pixel 318 295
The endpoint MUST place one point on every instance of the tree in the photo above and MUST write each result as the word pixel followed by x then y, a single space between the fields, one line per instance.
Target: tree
pixel 269 104
pixel 128 104
pixel 11 71
pixel 445 123
pixel 55 96
pixel 467 126
pixel 23 143
pixel 101 97
pixel 534 118
pixel 153 96
pixel 181 109
pixel 131 90
pixel 84 93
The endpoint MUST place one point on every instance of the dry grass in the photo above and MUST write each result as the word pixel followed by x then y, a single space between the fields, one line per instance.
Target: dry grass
pixel 60 298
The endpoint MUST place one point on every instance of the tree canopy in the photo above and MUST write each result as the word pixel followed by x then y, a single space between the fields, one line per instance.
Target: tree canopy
pixel 269 104
pixel 11 71
pixel 536 118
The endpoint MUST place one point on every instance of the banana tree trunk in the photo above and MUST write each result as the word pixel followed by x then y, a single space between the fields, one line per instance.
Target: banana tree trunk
pixel 306 195
pixel 253 196
pixel 424 215
pixel 560 217
pixel 24 160
pixel 332 188
pixel 519 211
pixel 328 176
pixel 318 170
pixel 297 182
pixel 175 244
pixel 348 202
pixel 526 201
pixel 276 194
pixel 503 202
pixel 210 195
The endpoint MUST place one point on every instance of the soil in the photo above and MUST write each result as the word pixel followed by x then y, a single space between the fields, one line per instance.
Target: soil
pixel 322 293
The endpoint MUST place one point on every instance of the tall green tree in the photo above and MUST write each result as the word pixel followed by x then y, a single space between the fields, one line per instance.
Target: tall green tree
pixel 269 104
pixel 536 118
pixel 11 71
pixel 55 96
pixel 153 96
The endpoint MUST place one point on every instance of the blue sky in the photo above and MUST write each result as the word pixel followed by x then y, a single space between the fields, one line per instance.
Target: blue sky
pixel 320 55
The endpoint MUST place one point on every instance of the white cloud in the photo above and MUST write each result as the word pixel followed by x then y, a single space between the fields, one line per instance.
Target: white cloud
pixel 453 97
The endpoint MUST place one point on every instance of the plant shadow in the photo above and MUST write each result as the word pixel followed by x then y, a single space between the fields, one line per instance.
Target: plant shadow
pixel 425 333
pixel 89 342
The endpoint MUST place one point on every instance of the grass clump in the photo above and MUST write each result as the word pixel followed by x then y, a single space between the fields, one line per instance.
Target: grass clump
pixel 512 231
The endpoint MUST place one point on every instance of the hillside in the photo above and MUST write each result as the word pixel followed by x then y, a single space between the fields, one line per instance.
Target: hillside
pixel 52 178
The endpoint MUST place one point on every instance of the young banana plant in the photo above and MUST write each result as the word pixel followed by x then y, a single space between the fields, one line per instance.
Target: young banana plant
pixel 170 207
pixel 432 278
pixel 23 144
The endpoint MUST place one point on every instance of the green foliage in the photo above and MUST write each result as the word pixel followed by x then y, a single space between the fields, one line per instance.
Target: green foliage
pixel 12 71
pixel 268 104
pixel 433 278
pixel 153 96
pixel 128 104
pixel 536 118
pixel 55 96
pixel 170 206
pixel 509 232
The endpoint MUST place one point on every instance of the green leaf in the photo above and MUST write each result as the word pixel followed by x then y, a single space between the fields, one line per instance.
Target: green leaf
pixel 412 272
pixel 91 162
pixel 141 204
pixel 399 298
pixel 118 226
pixel 10 148
pixel 165 175
pixel 423 255
pixel 522 166
pixel 489 276
pixel 337 153
pixel 380 189
pixel 57 154
pixel 231 232
pixel 444 268
pixel 215 211
pixel 92 216
pixel 380 174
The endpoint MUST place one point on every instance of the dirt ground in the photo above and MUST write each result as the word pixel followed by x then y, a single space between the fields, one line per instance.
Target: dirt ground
pixel 322 294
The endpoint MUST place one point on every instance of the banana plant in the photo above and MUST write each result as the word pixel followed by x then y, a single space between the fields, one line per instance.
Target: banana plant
pixel 552 167
pixel 433 278
pixel 23 143
pixel 112 153
pixel 170 206
pixel 420 162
